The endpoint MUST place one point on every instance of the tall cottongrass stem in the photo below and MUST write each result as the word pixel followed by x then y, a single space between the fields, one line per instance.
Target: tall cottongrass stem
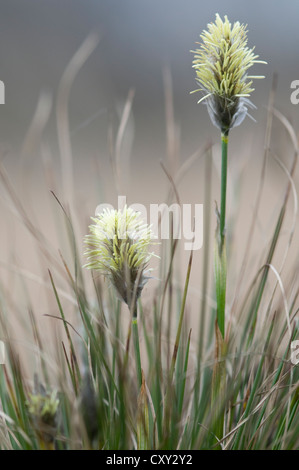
pixel 221 64
pixel 118 248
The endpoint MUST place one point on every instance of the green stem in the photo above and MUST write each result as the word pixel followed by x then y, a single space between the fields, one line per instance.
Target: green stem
pixel 136 346
pixel 220 249
pixel 219 372
pixel 224 142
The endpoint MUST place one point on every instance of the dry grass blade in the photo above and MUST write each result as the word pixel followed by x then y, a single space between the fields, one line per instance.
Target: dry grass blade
pixel 63 130
pixel 258 197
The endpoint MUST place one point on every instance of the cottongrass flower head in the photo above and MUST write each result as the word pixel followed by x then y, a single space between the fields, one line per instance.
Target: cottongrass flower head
pixel 43 409
pixel 118 247
pixel 221 64
pixel 43 406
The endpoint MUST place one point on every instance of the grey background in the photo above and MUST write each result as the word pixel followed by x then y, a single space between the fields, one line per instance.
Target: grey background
pixel 138 38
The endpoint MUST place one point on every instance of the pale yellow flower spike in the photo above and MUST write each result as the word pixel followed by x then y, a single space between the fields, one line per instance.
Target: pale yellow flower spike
pixel 221 63
pixel 118 247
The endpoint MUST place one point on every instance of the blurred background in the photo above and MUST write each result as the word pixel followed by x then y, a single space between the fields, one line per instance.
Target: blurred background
pixel 143 46
pixel 137 40
pixel 143 53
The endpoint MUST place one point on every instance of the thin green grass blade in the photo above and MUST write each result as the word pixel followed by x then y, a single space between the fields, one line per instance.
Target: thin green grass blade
pixel 181 390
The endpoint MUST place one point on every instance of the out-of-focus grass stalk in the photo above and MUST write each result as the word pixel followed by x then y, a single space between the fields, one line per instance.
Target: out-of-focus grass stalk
pixel 206 247
pixel 137 347
pixel 169 391
pixel 143 427
pixel 179 329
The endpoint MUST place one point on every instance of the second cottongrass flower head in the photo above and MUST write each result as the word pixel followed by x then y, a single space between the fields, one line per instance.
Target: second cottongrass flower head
pixel 43 410
pixel 118 247
pixel 221 64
